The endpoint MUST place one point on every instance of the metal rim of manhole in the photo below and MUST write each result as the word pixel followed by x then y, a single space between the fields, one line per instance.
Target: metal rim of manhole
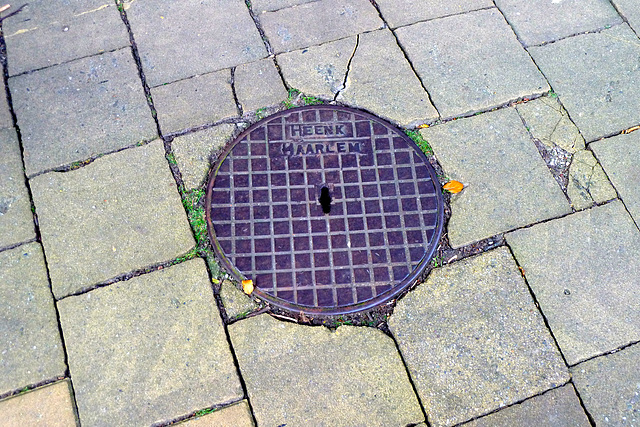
pixel 327 209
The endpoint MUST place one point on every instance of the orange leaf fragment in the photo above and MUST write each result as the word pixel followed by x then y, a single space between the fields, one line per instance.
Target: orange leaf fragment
pixel 247 286
pixel 453 186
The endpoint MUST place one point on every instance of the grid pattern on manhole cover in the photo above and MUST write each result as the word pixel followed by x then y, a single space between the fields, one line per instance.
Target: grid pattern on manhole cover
pixel 267 222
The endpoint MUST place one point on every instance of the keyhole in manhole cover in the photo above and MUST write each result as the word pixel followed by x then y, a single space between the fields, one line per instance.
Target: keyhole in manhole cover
pixel 325 200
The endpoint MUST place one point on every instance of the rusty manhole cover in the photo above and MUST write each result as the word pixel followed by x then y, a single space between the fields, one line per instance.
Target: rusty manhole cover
pixel 328 210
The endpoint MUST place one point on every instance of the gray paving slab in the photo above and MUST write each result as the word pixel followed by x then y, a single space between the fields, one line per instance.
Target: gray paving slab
pixel 540 21
pixel 302 375
pixel 318 70
pixel 402 12
pixel 595 77
pixel 588 183
pixel 236 303
pixel 77 110
pixel 237 415
pixel 16 218
pixel 31 348
pixel 470 62
pixel 306 25
pixel 195 101
pixel 150 349
pixel 258 85
pixel 620 157
pixel 474 341
pixel 630 11
pixel 50 406
pixel 610 387
pixel 50 32
pixel 97 223
pixel 584 271
pixel 193 152
pixel 6 121
pixel 177 40
pixel 381 80
pixel 555 408
pixel 508 185
pixel 548 122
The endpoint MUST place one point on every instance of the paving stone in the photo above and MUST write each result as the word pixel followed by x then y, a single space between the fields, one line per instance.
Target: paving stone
pixel 629 9
pixel 508 185
pixel 177 40
pixel 6 121
pixel 473 340
pixel 620 157
pixel 236 303
pixel 16 219
pixel 270 5
pixel 193 152
pixel 258 85
pixel 587 182
pixel 548 121
pixel 30 349
pixel 402 12
pixel 557 407
pixel 584 271
pixel 542 21
pixel 595 77
pixel 149 349
pixel 46 406
pixel 237 415
pixel 318 70
pixel 112 222
pixel 302 375
pixel 50 32
pixel 382 81
pixel 77 110
pixel 610 387
pixel 306 25
pixel 195 101
pixel 470 62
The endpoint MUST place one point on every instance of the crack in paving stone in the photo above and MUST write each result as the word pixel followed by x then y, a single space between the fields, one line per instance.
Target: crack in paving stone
pixel 346 74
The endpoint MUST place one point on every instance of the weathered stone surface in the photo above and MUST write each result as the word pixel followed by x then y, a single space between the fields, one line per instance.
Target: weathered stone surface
pixel 507 183
pixel 49 406
pixel 595 76
pixel 557 407
pixel 610 387
pixel 620 157
pixel 382 81
pixel 50 32
pixel 177 40
pixel 237 415
pixel 195 101
pixel 16 219
pixel 473 340
pixel 31 349
pixel 236 303
pixel 584 271
pixel 548 121
pixel 149 349
pixel 470 62
pixel 306 25
pixel 301 375
pixel 193 152
pixel 77 110
pixel 403 12
pixel 587 182
pixel 270 5
pixel 318 70
pixel 6 121
pixel 258 85
pixel 629 9
pixel 112 222
pixel 542 21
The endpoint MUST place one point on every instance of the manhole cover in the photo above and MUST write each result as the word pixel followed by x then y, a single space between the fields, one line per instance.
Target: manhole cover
pixel 327 209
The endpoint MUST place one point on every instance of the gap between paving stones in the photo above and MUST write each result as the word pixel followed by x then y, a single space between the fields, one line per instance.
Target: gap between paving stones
pixel 201 412
pixel 596 31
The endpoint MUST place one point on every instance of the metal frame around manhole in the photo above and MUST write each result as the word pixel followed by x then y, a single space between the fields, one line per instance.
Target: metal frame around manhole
pixel 262 204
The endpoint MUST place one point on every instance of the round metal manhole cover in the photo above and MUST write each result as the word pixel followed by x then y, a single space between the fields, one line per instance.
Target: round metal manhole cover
pixel 327 209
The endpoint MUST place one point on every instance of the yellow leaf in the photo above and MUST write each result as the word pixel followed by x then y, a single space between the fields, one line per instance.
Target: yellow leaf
pixel 247 286
pixel 453 186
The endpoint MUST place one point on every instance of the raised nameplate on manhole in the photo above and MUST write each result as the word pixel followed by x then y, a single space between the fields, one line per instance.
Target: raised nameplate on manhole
pixel 326 209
